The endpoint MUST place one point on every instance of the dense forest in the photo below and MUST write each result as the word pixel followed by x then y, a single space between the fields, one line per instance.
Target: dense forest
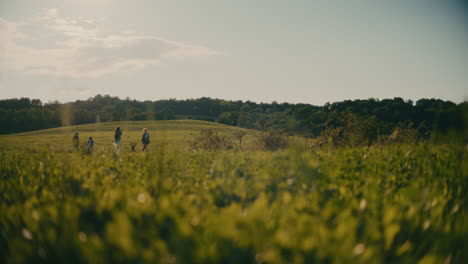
pixel 362 119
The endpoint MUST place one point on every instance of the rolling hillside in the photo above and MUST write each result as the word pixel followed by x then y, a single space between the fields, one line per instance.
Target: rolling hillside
pixel 174 133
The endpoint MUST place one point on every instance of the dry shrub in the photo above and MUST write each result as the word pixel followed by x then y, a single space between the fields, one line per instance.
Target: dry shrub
pixel 271 140
pixel 404 133
pixel 239 135
pixel 209 139
pixel 351 130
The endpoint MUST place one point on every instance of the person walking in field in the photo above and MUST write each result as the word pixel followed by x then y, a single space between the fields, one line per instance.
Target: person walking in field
pixel 90 144
pixel 118 138
pixel 76 141
pixel 145 139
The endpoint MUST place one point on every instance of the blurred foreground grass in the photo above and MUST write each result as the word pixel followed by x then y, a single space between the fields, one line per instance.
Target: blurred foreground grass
pixel 391 204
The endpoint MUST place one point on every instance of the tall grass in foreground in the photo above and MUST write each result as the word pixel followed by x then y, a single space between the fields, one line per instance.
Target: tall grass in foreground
pixel 392 204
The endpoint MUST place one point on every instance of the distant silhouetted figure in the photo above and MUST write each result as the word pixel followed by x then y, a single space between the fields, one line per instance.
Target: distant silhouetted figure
pixel 76 141
pixel 145 139
pixel 90 144
pixel 117 138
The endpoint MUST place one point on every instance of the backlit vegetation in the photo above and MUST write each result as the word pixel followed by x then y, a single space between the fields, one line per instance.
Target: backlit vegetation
pixel 397 203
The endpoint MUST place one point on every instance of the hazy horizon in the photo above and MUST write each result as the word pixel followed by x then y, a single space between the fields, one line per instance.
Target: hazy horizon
pixel 297 51
pixel 225 99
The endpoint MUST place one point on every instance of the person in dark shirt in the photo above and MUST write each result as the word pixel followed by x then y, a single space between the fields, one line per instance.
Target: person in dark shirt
pixel 145 139
pixel 76 141
pixel 90 144
pixel 118 138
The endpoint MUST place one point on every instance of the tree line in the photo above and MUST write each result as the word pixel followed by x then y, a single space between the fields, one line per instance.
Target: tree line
pixel 371 117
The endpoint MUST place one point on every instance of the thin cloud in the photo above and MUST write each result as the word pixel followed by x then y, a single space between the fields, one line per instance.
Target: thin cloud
pixel 49 44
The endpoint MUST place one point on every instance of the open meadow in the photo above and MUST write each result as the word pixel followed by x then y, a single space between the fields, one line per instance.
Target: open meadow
pixel 174 133
pixel 394 203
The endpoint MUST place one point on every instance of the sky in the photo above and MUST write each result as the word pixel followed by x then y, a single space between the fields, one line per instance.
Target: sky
pixel 297 51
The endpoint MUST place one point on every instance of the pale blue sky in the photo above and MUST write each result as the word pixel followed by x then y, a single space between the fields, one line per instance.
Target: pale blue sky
pixel 289 51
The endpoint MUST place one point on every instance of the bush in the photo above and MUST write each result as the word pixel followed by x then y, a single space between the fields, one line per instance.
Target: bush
pixel 209 139
pixel 405 133
pixel 239 135
pixel 350 130
pixel 228 118
pixel 271 140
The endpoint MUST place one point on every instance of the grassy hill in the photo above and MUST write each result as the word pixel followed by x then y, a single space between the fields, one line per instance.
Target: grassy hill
pixel 173 132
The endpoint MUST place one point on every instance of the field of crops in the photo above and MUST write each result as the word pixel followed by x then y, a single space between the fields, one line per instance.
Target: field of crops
pixel 382 204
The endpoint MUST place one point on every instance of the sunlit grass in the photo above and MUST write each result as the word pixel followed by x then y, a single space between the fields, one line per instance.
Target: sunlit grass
pixel 178 133
pixel 396 203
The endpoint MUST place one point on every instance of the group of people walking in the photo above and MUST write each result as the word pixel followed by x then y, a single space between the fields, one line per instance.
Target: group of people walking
pixel 145 140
